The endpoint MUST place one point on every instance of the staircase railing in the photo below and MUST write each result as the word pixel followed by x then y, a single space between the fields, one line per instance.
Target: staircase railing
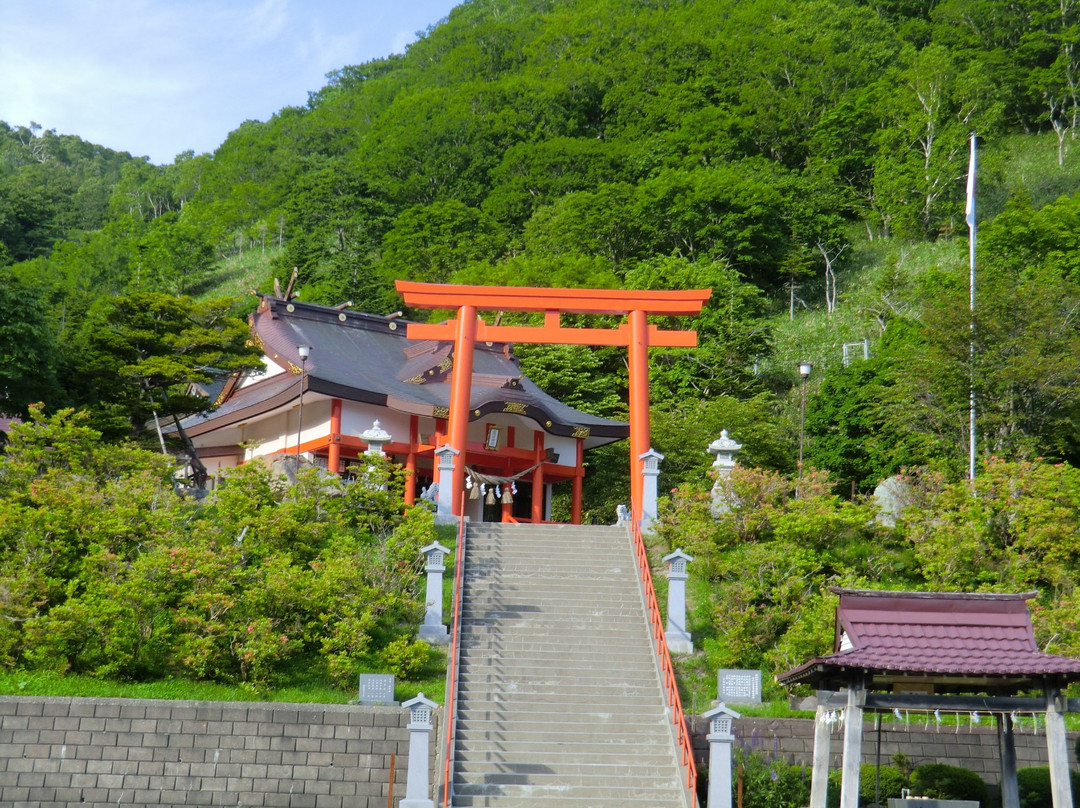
pixel 455 653
pixel 667 670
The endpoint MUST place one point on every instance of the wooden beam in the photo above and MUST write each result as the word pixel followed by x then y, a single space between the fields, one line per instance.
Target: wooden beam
pixel 928 702
pixel 545 335
pixel 531 298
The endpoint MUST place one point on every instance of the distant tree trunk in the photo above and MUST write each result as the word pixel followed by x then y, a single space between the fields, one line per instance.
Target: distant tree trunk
pixel 830 274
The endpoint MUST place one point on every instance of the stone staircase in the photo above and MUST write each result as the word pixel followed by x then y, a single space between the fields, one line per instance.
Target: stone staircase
pixel 559 699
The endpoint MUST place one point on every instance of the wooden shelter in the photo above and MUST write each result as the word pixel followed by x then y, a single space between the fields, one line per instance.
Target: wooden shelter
pixel 361 368
pixel 927 651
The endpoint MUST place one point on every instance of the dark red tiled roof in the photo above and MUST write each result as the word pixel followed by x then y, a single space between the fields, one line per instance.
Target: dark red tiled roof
pixel 934 633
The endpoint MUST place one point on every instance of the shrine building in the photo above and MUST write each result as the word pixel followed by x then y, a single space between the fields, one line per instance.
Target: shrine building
pixel 361 368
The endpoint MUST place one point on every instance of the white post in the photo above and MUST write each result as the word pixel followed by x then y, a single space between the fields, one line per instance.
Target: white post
pixel 416 786
pixel 720 738
pixel 433 630
pixel 853 732
pixel 1057 749
pixel 445 507
pixel 650 470
pixel 1010 788
pixel 819 776
pixel 678 638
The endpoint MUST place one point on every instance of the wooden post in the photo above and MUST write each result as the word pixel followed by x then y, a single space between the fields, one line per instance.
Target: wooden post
pixel 819 775
pixel 1010 790
pixel 1057 749
pixel 410 460
pixel 853 732
pixel 538 479
pixel 333 452
pixel 579 478
pixel 460 393
pixel 638 366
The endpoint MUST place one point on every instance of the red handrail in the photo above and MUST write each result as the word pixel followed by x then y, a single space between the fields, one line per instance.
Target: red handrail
pixel 451 682
pixel 667 670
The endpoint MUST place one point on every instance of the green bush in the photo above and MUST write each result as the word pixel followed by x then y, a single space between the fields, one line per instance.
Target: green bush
pixel 944 782
pixel 892 780
pixel 772 783
pixel 1034 786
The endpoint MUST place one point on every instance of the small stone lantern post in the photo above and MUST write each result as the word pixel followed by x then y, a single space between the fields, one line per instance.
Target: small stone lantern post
pixel 433 630
pixel 375 438
pixel 650 470
pixel 725 450
pixel 417 787
pixel 678 638
pixel 445 508
pixel 720 738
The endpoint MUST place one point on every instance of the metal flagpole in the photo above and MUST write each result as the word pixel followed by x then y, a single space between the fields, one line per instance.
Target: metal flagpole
pixel 969 214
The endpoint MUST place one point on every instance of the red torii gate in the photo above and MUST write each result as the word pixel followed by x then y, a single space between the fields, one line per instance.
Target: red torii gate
pixel 636 334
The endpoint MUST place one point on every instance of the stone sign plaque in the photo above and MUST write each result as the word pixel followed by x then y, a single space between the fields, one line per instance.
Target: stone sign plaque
pixel 735 686
pixel 377 689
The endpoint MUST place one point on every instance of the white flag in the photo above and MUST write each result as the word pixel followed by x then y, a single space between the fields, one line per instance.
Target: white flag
pixel 969 210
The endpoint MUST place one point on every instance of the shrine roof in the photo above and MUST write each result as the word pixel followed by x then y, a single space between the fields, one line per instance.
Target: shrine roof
pixel 364 357
pixel 950 635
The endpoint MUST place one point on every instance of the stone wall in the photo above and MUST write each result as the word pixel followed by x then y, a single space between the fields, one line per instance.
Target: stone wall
pixel 974 748
pixel 105 752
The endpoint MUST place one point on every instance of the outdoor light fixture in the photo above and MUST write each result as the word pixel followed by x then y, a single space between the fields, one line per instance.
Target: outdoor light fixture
pixel 804 371
pixel 304 351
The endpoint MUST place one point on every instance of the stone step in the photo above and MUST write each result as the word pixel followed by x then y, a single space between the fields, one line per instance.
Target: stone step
pixel 603 795
pixel 480 673
pixel 564 801
pixel 474 759
pixel 621 776
pixel 559 690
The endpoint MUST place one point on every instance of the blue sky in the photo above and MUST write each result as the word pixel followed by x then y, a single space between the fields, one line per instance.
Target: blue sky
pixel 158 77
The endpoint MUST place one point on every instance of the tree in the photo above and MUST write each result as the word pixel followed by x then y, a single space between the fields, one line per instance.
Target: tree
pixel 28 354
pixel 144 354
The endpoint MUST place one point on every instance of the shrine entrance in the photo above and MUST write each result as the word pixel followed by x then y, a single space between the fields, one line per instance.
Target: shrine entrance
pixel 635 333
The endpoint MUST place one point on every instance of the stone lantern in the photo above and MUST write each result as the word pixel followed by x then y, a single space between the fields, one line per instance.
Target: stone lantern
pixel 720 738
pixel 725 450
pixel 417 786
pixel 678 638
pixel 433 630
pixel 650 470
pixel 375 438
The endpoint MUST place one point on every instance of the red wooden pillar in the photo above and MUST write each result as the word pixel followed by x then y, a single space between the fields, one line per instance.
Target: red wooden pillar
pixel 579 477
pixel 333 452
pixel 410 460
pixel 639 404
pixel 460 389
pixel 508 507
pixel 538 479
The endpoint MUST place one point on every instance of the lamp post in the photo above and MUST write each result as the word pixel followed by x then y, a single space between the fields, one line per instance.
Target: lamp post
pixel 804 371
pixel 304 351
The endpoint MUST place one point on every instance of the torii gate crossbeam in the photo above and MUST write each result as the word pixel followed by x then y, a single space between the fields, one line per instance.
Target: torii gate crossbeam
pixel 636 334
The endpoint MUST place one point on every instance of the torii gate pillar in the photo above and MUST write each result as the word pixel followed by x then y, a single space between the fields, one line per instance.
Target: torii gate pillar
pixel 636 334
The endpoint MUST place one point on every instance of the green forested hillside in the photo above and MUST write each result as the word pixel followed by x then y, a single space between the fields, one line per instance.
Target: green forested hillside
pixel 806 159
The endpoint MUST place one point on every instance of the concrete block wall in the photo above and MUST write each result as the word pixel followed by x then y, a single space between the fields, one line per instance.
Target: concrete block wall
pixel 973 748
pixel 93 753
